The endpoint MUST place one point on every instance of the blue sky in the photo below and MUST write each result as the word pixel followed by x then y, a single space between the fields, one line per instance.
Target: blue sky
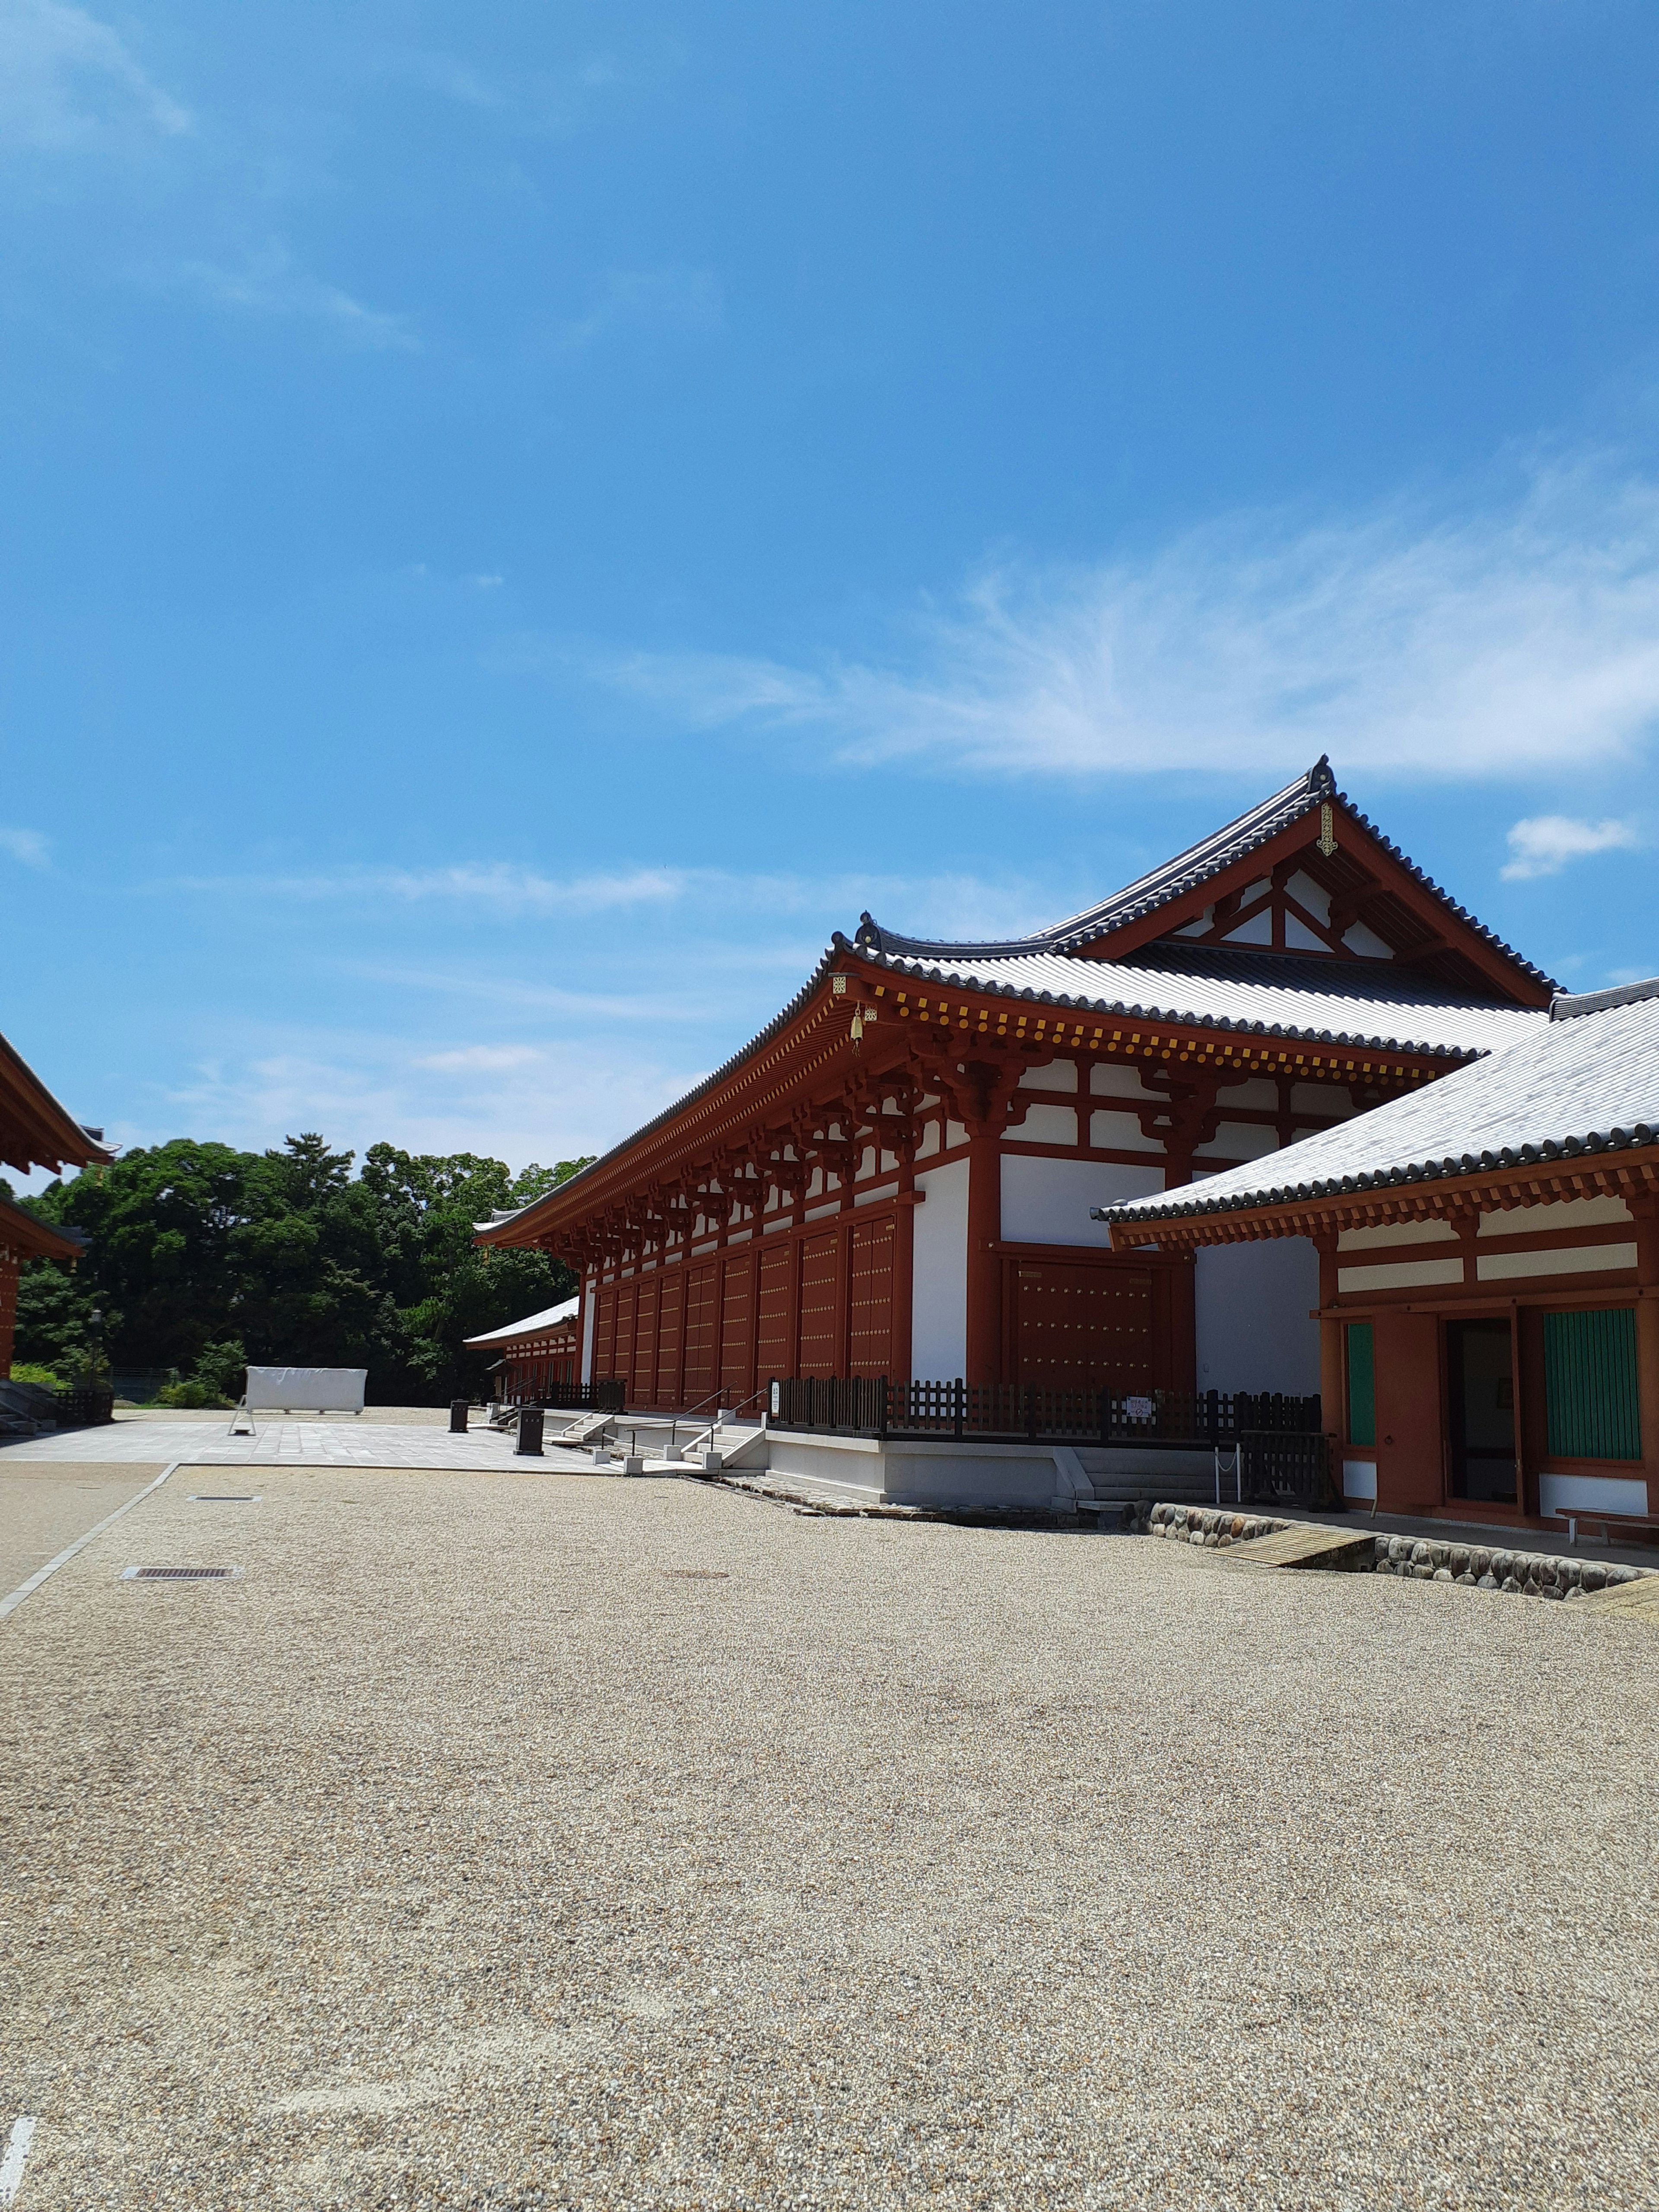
pixel 519 519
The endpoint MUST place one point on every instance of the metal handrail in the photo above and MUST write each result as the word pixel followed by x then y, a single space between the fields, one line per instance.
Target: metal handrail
pixel 713 1397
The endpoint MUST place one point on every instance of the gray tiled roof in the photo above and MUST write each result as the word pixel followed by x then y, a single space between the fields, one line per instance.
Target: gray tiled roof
pixel 549 1317
pixel 1175 878
pixel 1371 1004
pixel 1584 1080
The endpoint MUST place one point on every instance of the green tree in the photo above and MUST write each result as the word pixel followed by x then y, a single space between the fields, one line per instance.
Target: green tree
pixel 201 1258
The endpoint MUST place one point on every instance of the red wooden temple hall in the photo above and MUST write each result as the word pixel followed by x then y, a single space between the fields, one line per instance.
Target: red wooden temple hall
pixel 35 1132
pixel 894 1177
pixel 535 1356
pixel 1488 1272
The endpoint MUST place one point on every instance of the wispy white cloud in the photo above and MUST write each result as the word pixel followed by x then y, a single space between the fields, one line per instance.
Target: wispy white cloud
pixel 264 1082
pixel 28 846
pixel 271 283
pixel 946 905
pixel 482 1059
pixel 67 79
pixel 678 302
pixel 1543 844
pixel 537 99
pixel 499 886
pixel 1501 646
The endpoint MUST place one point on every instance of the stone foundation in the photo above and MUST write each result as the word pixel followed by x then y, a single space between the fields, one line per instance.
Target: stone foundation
pixel 1215 1527
pixel 1484 1566
pixel 1479 1566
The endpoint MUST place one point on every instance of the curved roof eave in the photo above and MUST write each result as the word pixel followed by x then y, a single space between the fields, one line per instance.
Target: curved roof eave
pixel 1189 870
pixel 774 1028
pixel 1504 1160
pixel 1125 1010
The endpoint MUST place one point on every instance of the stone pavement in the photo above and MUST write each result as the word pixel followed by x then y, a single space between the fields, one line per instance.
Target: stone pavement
pixel 289 1444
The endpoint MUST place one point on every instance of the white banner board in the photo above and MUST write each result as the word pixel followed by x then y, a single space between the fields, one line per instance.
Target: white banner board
pixel 306 1390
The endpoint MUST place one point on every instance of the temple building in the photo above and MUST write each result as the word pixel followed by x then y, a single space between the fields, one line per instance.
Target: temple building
pixel 537 1357
pixel 1488 1254
pixel 35 1132
pixel 896 1176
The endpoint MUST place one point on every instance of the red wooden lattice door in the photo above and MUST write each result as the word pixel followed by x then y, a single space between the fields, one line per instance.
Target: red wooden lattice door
pixel 870 1343
pixel 604 1333
pixel 627 1302
pixel 737 1327
pixel 1083 1327
pixel 701 1321
pixel 671 1311
pixel 642 1386
pixel 820 1314
pixel 774 1329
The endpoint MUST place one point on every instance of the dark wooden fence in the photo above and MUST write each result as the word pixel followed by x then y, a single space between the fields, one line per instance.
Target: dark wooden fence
pixel 608 1395
pixel 1279 1469
pixel 1180 1420
pixel 84 1407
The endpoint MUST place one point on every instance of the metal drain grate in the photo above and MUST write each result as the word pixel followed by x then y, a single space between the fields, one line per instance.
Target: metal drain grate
pixel 179 1574
pixel 219 1498
pixel 697 1574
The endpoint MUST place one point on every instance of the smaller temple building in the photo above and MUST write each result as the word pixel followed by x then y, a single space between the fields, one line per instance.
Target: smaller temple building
pixel 1488 1271
pixel 539 1356
pixel 35 1132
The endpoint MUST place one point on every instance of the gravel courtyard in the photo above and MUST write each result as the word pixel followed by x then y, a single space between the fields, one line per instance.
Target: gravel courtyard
pixel 531 1840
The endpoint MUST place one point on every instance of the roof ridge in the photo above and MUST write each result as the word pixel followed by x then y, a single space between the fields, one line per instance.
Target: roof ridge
pixel 1233 841
pixel 1566 1006
pixel 1266 818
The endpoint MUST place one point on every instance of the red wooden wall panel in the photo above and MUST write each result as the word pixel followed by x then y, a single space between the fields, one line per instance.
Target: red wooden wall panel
pixel 1083 1327
pixel 702 1324
pixel 774 1327
pixel 738 1325
pixel 871 1338
pixel 820 1319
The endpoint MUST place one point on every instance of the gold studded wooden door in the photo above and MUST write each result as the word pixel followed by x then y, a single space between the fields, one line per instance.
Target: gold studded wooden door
pixel 820 1312
pixel 702 1328
pixel 775 1351
pixel 870 1342
pixel 1083 1327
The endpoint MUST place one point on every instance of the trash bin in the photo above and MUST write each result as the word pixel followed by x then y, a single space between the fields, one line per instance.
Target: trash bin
pixel 530 1432
pixel 457 1417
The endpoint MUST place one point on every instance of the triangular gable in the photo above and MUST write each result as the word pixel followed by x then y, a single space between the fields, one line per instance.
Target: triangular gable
pixel 1303 871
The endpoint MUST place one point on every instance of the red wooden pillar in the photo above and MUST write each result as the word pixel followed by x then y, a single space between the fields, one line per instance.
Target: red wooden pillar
pixel 8 1272
pixel 1647 1340
pixel 984 1347
pixel 1410 1425
pixel 1333 1367
pixel 904 1270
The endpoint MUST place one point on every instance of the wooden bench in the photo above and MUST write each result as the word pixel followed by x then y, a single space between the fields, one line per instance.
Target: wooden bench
pixel 1639 1524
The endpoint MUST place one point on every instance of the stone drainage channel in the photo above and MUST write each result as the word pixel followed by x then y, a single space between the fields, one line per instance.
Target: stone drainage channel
pixel 1261 1541
pixel 1415 1559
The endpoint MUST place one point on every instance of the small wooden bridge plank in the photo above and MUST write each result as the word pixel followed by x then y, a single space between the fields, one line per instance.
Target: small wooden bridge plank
pixel 1306 1544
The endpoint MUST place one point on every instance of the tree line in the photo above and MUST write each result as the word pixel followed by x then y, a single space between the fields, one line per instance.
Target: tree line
pixel 200 1259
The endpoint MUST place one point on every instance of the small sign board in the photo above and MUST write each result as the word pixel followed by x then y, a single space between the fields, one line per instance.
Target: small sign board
pixel 1138 1409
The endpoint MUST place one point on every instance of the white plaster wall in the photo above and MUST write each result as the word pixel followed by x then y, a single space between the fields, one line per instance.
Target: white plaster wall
pixel 1047 1125
pixel 1253 1302
pixel 1591 1493
pixel 1058 1075
pixel 1107 1080
pixel 590 1328
pixel 1238 1141
pixel 1322 1099
pixel 939 1293
pixel 1048 1201
pixel 1112 1132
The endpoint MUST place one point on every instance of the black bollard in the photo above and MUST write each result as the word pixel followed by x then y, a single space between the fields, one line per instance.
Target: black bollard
pixel 457 1417
pixel 530 1432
